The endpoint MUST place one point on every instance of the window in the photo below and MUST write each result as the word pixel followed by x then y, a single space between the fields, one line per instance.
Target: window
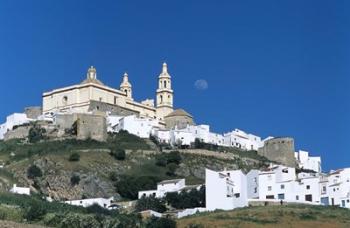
pixel 308 187
pixel 282 186
pixel 164 84
pixel 255 190
pixel 237 195
pixel 115 100
pixel 65 100
pixel 281 196
pixel 270 197
pixel 308 198
pixel 126 92
pixel 161 98
pixel 269 188
pixel 297 197
pixel 343 203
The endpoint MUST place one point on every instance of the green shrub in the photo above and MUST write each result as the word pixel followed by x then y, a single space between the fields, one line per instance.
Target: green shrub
pixel 150 203
pixel 35 211
pixel 174 157
pixel 161 160
pixel 186 199
pixel 128 186
pixel 74 157
pixel 36 134
pixel 154 222
pixel 113 176
pixel 171 169
pixel 75 179
pixel 118 154
pixel 34 171
pixel 97 209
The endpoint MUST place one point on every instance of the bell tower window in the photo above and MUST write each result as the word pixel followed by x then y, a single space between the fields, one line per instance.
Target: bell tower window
pixel 161 99
pixel 164 84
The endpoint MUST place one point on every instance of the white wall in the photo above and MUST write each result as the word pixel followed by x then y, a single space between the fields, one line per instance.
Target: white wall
pixel 105 203
pixel 243 140
pixel 307 162
pixel 11 121
pixel 20 190
pixel 225 190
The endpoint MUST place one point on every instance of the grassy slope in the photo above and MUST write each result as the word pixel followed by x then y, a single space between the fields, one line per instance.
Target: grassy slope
pixel 272 216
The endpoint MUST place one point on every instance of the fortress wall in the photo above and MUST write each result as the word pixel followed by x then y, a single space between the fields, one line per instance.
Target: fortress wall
pixel 280 150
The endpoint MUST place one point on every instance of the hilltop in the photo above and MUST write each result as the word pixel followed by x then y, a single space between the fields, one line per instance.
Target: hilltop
pixel 271 216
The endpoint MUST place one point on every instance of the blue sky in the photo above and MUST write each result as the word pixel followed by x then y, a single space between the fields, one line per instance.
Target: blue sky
pixel 277 68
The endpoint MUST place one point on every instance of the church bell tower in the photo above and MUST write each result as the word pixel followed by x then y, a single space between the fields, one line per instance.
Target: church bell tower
pixel 165 94
pixel 126 87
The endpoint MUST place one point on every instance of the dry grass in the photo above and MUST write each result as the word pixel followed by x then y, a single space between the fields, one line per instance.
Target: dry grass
pixel 271 216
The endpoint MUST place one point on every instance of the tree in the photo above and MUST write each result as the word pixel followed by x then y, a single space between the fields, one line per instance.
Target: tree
pixel 174 157
pixel 129 186
pixel 118 154
pixel 171 169
pixel 75 179
pixel 150 203
pixel 74 157
pixel 34 171
pixel 186 199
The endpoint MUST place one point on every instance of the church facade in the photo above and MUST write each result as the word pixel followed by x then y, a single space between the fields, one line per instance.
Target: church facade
pixel 92 95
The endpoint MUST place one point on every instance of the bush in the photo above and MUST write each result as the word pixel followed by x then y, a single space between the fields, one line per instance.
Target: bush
pixel 113 176
pixel 35 211
pixel 150 203
pixel 161 160
pixel 160 223
pixel 129 186
pixel 74 180
pixel 36 134
pixel 118 154
pixel 34 171
pixel 74 157
pixel 97 209
pixel 186 199
pixel 174 157
pixel 171 169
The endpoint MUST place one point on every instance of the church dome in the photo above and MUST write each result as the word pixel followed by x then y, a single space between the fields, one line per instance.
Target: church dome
pixel 179 112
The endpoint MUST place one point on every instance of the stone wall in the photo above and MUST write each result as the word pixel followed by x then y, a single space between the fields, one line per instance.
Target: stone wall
pixel 20 132
pixel 88 125
pixel 280 150
pixel 33 112
pixel 91 126
pixel 114 109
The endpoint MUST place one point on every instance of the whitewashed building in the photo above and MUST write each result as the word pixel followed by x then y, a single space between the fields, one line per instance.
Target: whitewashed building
pixel 20 190
pixel 243 140
pixel 163 187
pixel 103 202
pixel 307 162
pixel 162 135
pixel 12 120
pixel 141 127
pixel 225 190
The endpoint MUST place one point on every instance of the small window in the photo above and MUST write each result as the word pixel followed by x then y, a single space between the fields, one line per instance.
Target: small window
pixel 282 186
pixel 297 197
pixel 269 188
pixel 307 186
pixel 65 99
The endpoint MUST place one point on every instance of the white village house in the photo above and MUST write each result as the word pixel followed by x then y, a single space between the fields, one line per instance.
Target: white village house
pixel 20 190
pixel 102 202
pixel 163 187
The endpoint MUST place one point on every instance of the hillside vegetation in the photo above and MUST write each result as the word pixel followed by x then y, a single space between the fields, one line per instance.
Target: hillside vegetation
pixel 271 216
pixel 125 164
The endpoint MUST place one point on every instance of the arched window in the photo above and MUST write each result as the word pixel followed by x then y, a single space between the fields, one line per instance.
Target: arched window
pixel 64 100
pixel 164 84
pixel 161 98
pixel 126 92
